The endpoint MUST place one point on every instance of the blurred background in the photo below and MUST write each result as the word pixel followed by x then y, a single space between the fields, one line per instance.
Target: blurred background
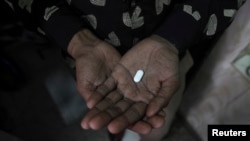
pixel 39 101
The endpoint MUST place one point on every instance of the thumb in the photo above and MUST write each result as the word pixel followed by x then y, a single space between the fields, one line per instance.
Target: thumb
pixel 163 97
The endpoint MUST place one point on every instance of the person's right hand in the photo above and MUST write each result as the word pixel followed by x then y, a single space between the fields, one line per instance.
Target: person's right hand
pixel 95 60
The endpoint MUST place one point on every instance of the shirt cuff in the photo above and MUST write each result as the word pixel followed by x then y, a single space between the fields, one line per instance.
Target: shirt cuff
pixel 60 24
pixel 181 29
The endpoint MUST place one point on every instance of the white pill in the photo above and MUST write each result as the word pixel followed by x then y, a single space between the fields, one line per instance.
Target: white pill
pixel 138 76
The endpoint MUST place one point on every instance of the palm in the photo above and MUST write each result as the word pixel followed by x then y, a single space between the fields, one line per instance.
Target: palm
pixel 160 67
pixel 93 68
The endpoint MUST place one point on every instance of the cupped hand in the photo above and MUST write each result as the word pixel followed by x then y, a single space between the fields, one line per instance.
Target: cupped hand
pixel 131 102
pixel 94 60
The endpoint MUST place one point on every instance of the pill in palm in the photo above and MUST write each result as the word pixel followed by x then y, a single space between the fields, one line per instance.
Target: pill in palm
pixel 138 76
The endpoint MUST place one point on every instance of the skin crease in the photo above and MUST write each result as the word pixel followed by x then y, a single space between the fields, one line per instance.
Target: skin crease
pixel 94 59
pixel 116 101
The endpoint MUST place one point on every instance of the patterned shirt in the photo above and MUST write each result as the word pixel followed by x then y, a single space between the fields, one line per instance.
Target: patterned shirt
pixel 123 23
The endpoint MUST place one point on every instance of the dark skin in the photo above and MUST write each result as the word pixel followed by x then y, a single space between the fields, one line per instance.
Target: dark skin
pixel 105 81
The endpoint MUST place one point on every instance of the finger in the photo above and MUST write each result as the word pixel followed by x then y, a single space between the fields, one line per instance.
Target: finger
pixel 141 127
pixel 109 100
pixel 156 105
pixel 101 92
pixel 102 119
pixel 156 121
pixel 87 118
pixel 162 98
pixel 145 126
pixel 162 113
pixel 113 97
pixel 132 115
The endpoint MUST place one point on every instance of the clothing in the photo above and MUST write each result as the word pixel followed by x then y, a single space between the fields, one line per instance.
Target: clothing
pixel 125 22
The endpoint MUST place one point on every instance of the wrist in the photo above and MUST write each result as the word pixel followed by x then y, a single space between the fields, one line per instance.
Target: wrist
pixel 82 42
pixel 165 43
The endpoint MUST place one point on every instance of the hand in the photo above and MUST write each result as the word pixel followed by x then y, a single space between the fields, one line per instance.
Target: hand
pixel 95 60
pixel 159 60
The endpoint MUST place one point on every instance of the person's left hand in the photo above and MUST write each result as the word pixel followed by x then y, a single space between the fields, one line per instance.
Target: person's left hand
pixel 159 61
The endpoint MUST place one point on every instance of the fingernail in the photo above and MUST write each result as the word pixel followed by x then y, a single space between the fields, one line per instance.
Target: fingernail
pixel 150 113
pixel 90 104
pixel 84 125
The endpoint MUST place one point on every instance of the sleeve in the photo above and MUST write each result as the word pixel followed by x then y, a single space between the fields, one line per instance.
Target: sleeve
pixel 53 18
pixel 191 20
